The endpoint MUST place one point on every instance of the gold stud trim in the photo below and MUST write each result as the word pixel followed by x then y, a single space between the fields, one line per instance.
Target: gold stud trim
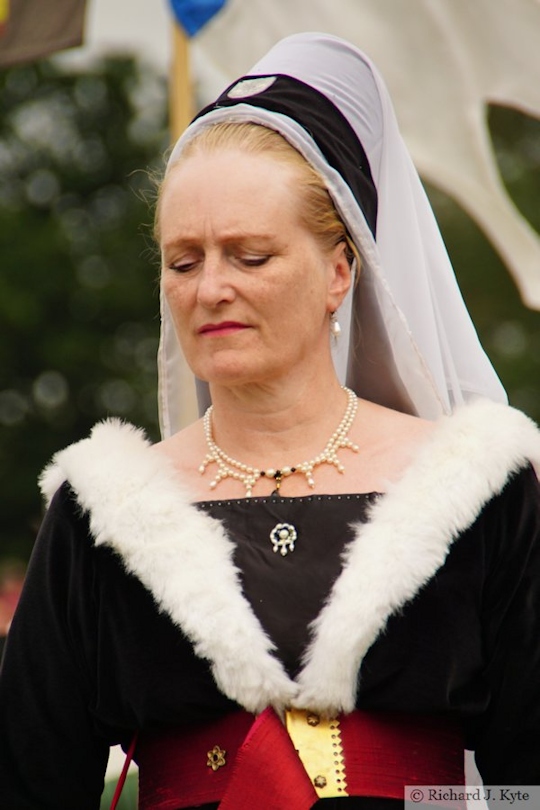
pixel 319 746
pixel 216 758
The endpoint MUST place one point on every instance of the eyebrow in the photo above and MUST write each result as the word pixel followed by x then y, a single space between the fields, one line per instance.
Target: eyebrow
pixel 228 239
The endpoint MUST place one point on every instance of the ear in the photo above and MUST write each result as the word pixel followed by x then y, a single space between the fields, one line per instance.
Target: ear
pixel 340 276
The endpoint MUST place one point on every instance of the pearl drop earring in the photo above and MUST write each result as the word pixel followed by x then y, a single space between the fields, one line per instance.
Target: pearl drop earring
pixel 335 328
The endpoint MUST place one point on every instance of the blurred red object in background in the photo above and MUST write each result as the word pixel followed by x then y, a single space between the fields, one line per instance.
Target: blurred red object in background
pixel 11 582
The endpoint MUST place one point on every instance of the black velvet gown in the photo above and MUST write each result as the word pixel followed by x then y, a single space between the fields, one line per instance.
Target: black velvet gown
pixel 91 657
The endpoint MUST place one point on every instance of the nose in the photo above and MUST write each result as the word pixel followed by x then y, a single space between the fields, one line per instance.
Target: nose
pixel 214 281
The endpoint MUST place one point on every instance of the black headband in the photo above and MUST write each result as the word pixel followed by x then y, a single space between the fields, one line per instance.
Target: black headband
pixel 326 125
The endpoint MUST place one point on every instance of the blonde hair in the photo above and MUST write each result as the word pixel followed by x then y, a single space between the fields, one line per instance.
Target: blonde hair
pixel 317 213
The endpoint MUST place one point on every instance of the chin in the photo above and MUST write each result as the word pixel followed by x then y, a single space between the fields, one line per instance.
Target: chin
pixel 234 374
pixel 232 368
pixel 222 373
pixel 230 379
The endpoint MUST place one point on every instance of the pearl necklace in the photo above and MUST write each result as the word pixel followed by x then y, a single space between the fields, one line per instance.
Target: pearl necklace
pixel 230 468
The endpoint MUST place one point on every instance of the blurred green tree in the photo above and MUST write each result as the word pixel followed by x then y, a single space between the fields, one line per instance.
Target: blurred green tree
pixel 79 310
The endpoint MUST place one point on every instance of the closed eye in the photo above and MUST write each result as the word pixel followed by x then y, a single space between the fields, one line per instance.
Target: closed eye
pixel 182 267
pixel 254 261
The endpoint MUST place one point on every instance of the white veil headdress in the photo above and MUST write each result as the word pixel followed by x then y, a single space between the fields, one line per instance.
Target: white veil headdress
pixel 407 339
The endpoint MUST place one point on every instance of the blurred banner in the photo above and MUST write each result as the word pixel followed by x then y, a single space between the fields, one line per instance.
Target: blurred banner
pixel 4 11
pixel 194 14
pixel 30 30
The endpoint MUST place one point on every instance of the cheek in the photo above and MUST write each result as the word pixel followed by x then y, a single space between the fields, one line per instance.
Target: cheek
pixel 176 292
pixel 307 292
pixel 179 311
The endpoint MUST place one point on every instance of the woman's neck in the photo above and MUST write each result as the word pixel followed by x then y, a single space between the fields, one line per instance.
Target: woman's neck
pixel 268 425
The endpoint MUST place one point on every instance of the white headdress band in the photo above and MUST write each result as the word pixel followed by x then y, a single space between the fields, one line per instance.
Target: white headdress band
pixel 407 339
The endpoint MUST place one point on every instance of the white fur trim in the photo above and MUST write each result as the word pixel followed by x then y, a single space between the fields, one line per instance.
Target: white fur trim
pixel 138 507
pixel 467 461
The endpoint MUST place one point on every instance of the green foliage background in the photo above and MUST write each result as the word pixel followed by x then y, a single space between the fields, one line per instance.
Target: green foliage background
pixel 78 280
pixel 79 306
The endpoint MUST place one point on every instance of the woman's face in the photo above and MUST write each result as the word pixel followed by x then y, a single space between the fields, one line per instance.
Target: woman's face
pixel 248 285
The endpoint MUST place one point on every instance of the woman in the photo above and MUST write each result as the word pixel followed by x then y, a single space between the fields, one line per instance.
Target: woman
pixel 353 566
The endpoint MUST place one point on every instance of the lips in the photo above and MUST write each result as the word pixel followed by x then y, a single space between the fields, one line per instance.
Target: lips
pixel 223 328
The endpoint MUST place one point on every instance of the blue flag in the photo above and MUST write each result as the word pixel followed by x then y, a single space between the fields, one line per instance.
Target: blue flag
pixel 194 14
